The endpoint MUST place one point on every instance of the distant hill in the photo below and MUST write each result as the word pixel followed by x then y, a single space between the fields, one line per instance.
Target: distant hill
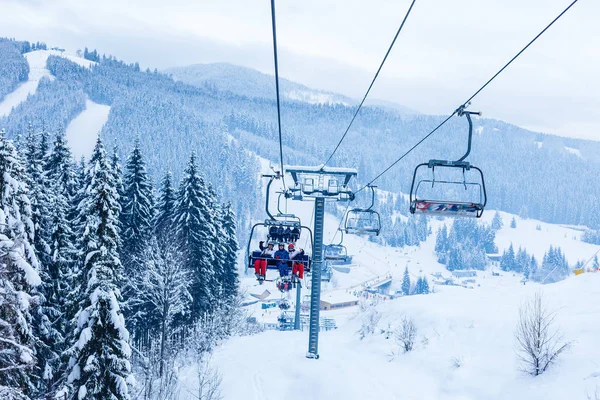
pixel 252 83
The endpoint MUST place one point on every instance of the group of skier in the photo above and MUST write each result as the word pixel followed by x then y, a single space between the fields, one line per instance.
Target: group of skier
pixel 282 259
pixel 287 234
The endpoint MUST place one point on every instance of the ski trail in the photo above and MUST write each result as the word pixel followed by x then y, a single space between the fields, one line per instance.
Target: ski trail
pixel 258 390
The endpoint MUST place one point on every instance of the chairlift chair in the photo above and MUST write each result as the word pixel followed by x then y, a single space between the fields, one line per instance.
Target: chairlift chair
pixel 289 220
pixel 336 253
pixel 363 220
pixel 473 206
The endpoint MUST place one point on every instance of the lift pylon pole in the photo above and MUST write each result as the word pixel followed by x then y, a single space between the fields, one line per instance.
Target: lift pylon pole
pixel 315 294
pixel 298 300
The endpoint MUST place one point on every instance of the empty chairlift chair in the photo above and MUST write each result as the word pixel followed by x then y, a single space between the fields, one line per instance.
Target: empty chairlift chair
pixel 363 221
pixel 448 195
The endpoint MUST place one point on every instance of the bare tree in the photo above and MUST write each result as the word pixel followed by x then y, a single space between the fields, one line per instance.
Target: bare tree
pixel 406 334
pixel 209 381
pixel 370 319
pixel 538 342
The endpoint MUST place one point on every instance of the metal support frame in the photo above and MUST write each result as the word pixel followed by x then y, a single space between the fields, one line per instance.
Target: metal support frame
pixel 298 300
pixel 315 294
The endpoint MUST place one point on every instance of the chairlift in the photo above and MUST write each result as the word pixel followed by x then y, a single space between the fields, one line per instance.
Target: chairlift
pixel 362 221
pixel 470 203
pixel 336 253
pixel 275 220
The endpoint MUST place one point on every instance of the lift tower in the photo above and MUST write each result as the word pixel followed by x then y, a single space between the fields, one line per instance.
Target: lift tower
pixel 319 183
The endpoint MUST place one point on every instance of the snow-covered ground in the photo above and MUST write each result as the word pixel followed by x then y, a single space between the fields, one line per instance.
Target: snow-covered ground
pixel 465 346
pixel 573 151
pixel 37 70
pixel 457 326
pixel 83 130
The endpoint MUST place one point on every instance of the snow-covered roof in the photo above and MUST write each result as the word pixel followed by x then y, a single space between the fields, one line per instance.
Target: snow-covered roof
pixel 320 169
pixel 337 297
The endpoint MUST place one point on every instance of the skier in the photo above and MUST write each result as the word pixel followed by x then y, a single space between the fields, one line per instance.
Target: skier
pixel 260 265
pixel 296 257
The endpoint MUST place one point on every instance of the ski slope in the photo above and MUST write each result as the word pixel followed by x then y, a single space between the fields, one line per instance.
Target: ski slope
pixel 470 328
pixel 83 130
pixel 465 343
pixel 37 70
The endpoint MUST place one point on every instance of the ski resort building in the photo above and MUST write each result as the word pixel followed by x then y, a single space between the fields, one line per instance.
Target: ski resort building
pixel 464 274
pixel 337 299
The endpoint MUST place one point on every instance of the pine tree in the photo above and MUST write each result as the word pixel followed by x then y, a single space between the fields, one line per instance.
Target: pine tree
pixel 165 208
pixel 229 280
pixel 521 260
pixel 425 286
pixel 50 339
pixel 195 230
pixel 513 223
pixel 497 222
pixel 406 282
pixel 533 267
pixel 595 264
pixel 441 244
pixel 60 166
pixel 137 210
pixel 99 364
pixel 419 286
pixel 18 278
pixel 507 262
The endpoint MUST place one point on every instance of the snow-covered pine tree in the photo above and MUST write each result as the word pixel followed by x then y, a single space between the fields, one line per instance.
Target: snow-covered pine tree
pixel 38 194
pixel 533 267
pixel 425 285
pixel 497 221
pixel 406 282
pixel 117 172
pixel 162 292
pixel 50 339
pixel 18 279
pixel 441 244
pixel 513 223
pixel 59 166
pixel 99 355
pixel 196 234
pixel 595 264
pixel 419 286
pixel 507 261
pixel 137 209
pixel 521 260
pixel 165 207
pixel 230 280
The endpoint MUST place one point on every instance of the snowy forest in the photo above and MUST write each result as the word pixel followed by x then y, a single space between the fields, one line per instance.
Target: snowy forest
pixel 104 278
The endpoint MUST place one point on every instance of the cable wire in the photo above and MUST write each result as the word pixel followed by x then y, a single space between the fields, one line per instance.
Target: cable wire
pixel 340 224
pixel 277 88
pixel 472 97
pixel 372 83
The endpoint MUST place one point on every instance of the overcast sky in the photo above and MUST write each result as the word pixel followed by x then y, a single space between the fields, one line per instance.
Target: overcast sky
pixel 446 51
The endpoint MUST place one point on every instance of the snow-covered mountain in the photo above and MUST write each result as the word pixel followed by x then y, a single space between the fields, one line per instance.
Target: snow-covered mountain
pixel 252 83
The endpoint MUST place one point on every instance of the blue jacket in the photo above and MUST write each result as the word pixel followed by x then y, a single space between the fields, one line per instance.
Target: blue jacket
pixel 282 257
